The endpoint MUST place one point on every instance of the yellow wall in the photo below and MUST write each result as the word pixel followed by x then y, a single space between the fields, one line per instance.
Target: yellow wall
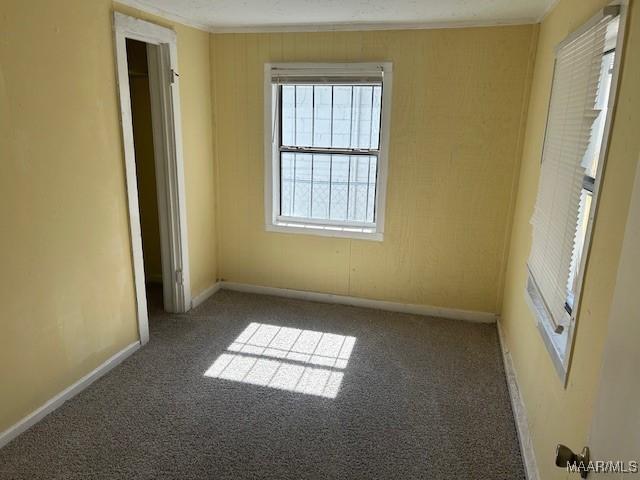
pixel 66 295
pixel 457 108
pixel 556 414
pixel 197 137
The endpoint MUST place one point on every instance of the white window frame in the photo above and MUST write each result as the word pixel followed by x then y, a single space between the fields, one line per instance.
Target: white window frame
pixel 554 341
pixel 358 230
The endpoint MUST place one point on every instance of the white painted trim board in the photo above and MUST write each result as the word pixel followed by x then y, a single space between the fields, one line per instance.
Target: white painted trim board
pixel 519 411
pixel 162 13
pixel 427 310
pixel 169 169
pixel 68 393
pixel 330 27
pixel 205 294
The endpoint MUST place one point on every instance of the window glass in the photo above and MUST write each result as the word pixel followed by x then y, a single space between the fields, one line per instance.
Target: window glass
pixel 322 178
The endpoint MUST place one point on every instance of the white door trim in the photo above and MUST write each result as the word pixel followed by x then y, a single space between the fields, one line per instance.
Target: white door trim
pixel 616 416
pixel 164 88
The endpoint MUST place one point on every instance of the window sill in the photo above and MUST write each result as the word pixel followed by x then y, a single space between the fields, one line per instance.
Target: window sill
pixel 556 343
pixel 358 233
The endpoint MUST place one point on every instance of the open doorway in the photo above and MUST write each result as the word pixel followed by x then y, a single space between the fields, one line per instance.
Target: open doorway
pixel 142 122
pixel 146 61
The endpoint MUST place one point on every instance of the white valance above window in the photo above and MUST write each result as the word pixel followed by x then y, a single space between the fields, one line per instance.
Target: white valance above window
pixel 330 73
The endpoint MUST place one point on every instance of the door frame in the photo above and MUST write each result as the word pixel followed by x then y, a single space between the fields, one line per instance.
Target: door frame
pixel 611 422
pixel 167 138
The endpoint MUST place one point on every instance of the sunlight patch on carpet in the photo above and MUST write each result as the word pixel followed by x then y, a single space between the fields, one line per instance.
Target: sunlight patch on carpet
pixel 303 361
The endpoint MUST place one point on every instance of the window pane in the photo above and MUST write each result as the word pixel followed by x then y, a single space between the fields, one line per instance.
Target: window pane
pixel 329 187
pixel 338 116
pixel 322 116
pixel 361 130
pixel 302 185
pixel 371 189
pixel 578 245
pixel 288 115
pixel 304 114
pixel 358 183
pixel 286 181
pixel 341 116
pixel 339 183
pixel 320 187
pixel 592 155
pixel 375 126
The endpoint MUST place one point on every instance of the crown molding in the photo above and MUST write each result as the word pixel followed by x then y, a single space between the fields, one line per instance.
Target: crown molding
pixel 552 4
pixel 160 12
pixel 332 27
pixel 359 27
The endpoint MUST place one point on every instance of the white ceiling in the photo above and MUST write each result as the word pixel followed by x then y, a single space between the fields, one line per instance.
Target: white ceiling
pixel 286 15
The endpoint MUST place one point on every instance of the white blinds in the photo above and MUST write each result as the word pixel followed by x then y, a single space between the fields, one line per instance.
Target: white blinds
pixel 569 128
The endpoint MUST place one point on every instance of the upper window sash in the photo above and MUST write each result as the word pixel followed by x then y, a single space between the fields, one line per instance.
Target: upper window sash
pixel 323 108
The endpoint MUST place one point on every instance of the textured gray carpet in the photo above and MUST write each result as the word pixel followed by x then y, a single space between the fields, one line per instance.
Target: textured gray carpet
pixel 420 398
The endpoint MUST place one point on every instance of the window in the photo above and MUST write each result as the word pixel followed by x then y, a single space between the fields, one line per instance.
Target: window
pixel 326 148
pixel 592 157
pixel 572 163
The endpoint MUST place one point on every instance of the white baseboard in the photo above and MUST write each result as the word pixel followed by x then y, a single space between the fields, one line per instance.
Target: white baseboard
pixel 206 293
pixel 427 310
pixel 69 392
pixel 519 412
